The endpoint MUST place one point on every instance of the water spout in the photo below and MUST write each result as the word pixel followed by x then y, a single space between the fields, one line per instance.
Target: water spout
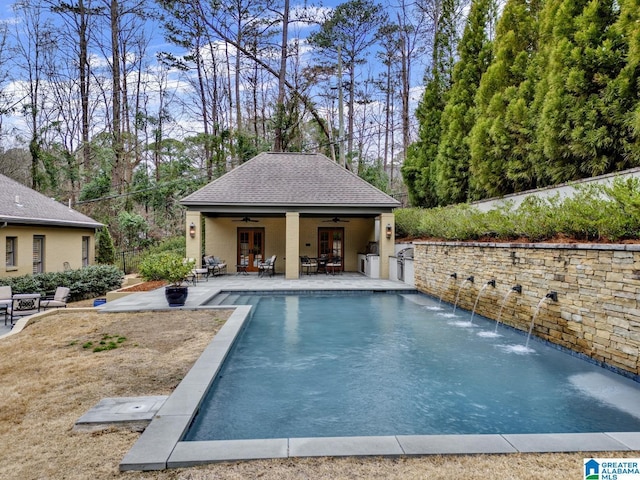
pixel 470 279
pixel 492 282
pixel 473 311
pixel 549 296
pixel 455 304
pixel 514 289
pixel 453 277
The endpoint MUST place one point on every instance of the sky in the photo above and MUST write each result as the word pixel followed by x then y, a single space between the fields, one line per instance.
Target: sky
pixel 174 82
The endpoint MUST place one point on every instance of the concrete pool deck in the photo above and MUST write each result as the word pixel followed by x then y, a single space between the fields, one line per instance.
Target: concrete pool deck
pixel 160 445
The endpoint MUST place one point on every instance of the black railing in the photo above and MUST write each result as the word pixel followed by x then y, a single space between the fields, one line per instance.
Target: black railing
pixel 129 261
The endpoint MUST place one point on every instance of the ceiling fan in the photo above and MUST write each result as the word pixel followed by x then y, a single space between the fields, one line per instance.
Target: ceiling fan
pixel 245 219
pixel 336 220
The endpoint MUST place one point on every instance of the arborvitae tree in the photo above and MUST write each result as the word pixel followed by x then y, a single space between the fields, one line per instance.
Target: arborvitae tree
pixel 105 250
pixel 623 94
pixel 474 51
pixel 418 169
pixel 576 129
pixel 493 139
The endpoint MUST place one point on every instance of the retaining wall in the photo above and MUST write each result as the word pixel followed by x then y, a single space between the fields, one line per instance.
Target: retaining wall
pixel 598 310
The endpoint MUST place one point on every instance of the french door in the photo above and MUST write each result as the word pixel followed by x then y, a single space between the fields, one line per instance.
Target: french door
pixel 250 248
pixel 331 242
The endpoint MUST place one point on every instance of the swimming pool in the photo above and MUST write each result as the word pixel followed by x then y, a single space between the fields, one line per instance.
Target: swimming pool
pixel 330 366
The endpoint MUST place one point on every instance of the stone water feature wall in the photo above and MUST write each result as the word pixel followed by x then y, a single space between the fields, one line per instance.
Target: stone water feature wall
pixel 598 308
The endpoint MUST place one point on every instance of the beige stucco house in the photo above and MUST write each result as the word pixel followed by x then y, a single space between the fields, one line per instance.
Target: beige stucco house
pixel 41 234
pixel 290 205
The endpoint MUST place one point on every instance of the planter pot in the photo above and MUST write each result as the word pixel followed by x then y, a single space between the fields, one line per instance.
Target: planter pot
pixel 176 296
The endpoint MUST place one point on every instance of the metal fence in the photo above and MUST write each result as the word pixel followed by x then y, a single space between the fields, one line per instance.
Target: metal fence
pixel 128 261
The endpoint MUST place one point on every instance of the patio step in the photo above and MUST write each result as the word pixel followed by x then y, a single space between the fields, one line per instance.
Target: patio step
pixel 220 299
pixel 231 299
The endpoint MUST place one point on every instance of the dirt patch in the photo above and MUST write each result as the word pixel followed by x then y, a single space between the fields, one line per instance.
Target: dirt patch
pixel 51 376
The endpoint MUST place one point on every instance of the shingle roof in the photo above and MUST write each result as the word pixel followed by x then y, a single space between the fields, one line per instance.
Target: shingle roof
pixel 23 205
pixel 290 179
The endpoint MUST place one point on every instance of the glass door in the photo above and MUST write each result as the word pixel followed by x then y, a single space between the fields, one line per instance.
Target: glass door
pixel 250 248
pixel 331 243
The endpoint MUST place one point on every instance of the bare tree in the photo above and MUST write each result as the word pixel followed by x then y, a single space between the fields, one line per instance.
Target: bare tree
pixel 34 42
pixel 352 27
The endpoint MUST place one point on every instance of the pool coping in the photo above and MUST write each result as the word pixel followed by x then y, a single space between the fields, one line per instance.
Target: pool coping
pixel 160 446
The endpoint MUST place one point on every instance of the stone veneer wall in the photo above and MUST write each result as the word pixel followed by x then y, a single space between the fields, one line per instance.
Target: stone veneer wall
pixel 598 286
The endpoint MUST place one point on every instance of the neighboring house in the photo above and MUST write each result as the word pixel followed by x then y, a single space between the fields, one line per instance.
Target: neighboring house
pixel 289 205
pixel 41 234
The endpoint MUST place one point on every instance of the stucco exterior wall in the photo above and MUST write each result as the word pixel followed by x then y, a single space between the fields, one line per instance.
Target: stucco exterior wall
pixel 598 286
pixel 60 245
pixel 221 238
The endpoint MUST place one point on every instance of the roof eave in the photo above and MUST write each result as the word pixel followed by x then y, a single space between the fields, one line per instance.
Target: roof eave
pixel 49 222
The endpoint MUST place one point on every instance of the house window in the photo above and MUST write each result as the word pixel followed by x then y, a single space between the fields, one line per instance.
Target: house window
pixel 85 251
pixel 12 245
pixel 38 254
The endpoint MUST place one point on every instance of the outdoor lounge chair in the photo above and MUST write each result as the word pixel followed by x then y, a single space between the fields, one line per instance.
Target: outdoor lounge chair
pixel 308 265
pixel 5 300
pixel 59 299
pixel 214 265
pixel 23 305
pixel 268 267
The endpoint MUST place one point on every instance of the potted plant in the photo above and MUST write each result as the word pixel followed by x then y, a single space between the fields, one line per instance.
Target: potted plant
pixel 172 268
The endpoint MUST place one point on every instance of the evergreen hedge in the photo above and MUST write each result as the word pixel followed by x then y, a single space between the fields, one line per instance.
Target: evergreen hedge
pixel 88 282
pixel 593 213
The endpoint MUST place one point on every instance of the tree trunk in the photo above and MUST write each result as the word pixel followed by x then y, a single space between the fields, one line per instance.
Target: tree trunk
pixel 282 77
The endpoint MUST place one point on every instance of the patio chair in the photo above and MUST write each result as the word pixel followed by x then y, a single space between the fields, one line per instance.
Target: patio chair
pixel 5 300
pixel 308 265
pixel 214 265
pixel 334 265
pixel 268 267
pixel 59 299
pixel 197 273
pixel 23 305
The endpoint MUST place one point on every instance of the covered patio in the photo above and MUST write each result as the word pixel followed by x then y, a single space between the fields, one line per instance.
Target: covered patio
pixel 290 205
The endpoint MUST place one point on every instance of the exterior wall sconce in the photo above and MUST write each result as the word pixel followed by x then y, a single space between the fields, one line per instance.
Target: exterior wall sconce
pixel 389 230
pixel 192 230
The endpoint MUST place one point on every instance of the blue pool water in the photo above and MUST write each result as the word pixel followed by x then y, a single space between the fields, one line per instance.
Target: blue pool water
pixel 382 364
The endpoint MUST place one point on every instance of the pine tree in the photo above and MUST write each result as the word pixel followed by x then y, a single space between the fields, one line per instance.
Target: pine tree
pixel 623 94
pixel 577 130
pixel 502 107
pixel 453 158
pixel 418 169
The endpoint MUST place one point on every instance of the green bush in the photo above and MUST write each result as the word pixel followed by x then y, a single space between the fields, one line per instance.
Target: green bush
pixel 593 212
pixel 173 244
pixel 167 266
pixel 88 282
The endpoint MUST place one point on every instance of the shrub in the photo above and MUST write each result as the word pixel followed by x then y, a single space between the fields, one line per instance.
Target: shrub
pixel 88 282
pixel 593 212
pixel 105 250
pixel 167 266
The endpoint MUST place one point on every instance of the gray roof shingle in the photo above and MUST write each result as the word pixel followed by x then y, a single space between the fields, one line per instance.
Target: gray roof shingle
pixel 290 179
pixel 23 205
